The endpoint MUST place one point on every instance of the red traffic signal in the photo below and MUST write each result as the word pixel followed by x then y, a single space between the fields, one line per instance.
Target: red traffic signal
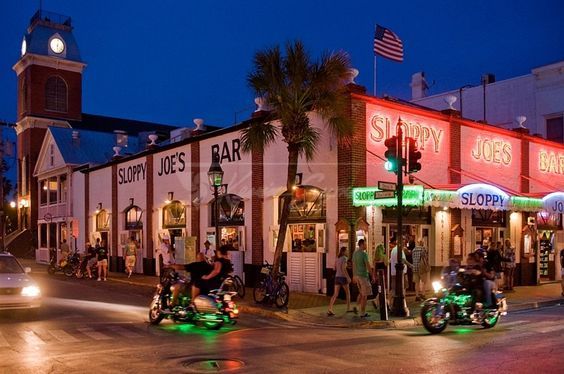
pixel 413 156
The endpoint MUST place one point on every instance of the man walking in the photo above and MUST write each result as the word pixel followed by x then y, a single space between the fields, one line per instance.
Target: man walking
pixel 361 275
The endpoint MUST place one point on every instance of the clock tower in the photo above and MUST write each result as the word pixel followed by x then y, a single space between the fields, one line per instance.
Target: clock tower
pixel 49 94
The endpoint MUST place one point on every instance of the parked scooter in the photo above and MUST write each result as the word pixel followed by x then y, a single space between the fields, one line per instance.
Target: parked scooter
pixel 54 266
pixel 213 309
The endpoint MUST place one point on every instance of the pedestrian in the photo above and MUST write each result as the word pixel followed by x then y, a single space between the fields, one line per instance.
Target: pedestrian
pixel 494 260
pixel 410 286
pixel 342 279
pixel 130 255
pixel 167 254
pixel 393 263
pixel 208 252
pixel 91 258
pixel 381 262
pixel 361 275
pixel 509 264
pixel 102 257
pixel 97 244
pixel 421 270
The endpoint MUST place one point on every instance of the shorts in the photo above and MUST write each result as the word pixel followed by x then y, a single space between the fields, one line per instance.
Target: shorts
pixel 364 286
pixel 129 261
pixel 341 281
pixel 103 262
pixel 91 262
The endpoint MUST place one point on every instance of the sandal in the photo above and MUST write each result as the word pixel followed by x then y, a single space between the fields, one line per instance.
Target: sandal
pixel 330 314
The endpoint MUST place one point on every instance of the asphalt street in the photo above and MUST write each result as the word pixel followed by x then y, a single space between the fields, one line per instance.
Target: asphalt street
pixel 101 327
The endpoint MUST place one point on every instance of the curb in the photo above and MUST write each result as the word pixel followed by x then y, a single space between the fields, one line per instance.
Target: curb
pixel 534 305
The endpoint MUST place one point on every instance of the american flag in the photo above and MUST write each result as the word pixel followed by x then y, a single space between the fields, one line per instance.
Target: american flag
pixel 388 44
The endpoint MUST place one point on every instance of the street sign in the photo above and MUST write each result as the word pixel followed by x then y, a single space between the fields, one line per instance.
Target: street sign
pixel 386 186
pixel 384 194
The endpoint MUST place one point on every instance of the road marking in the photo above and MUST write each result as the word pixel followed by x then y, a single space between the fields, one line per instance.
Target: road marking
pixel 3 341
pixel 63 336
pixel 93 334
pixel 125 332
pixel 31 337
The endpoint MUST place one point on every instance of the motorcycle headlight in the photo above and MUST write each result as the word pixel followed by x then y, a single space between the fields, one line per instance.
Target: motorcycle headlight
pixel 31 291
pixel 437 286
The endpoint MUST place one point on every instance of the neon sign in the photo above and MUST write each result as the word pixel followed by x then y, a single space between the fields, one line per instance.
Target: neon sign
pixel 480 196
pixel 551 162
pixel 381 129
pixel 493 151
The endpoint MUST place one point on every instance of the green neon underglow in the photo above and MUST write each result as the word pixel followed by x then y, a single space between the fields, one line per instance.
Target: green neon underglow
pixel 439 195
pixel 412 195
pixel 526 203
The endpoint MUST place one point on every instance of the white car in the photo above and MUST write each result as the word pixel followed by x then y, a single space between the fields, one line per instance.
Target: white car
pixel 17 289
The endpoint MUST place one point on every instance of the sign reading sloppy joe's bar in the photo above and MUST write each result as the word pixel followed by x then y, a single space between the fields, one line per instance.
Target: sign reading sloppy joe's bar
pixel 554 202
pixel 482 196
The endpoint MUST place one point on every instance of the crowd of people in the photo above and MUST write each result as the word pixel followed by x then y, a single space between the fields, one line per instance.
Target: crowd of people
pixel 490 267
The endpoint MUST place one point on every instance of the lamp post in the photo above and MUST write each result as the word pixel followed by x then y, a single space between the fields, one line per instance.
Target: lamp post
pixel 24 204
pixel 215 177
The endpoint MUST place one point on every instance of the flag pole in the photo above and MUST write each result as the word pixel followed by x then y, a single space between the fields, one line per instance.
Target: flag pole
pixel 375 75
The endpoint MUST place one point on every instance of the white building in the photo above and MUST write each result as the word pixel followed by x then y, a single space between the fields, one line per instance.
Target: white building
pixel 538 96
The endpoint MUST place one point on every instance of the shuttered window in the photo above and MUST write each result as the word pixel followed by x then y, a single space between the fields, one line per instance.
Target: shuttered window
pixel 56 94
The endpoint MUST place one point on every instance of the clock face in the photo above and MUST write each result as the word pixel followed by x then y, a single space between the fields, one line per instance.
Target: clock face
pixel 57 45
pixel 24 47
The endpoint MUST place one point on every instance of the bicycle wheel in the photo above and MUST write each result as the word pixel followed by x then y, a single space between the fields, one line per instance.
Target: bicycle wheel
pixel 259 292
pixel 282 295
pixel 239 286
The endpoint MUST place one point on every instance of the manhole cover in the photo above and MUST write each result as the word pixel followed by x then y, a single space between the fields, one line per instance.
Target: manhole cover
pixel 212 365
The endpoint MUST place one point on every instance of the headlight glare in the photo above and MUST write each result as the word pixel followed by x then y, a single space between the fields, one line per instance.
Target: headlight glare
pixel 31 291
pixel 437 286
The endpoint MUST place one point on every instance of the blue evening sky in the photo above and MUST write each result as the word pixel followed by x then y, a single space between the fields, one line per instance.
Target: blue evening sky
pixel 170 61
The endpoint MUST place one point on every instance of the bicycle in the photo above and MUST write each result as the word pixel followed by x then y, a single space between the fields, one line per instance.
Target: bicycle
pixel 270 290
pixel 237 285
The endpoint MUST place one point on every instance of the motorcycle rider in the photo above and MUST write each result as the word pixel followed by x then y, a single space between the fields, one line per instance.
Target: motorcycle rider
pixel 90 259
pixel 474 278
pixel 197 270
pixel 221 269
pixel 449 273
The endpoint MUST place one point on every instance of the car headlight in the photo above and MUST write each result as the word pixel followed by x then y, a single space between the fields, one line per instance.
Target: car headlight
pixel 31 291
pixel 437 286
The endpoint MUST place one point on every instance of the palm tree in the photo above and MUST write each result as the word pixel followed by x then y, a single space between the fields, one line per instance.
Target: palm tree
pixel 292 87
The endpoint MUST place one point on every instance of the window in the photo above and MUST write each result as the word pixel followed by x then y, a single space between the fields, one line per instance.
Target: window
pixel 63 188
pixel 133 217
pixel 53 235
pixel 43 235
pixel 555 129
pixel 51 154
pixel 56 94
pixel 307 204
pixel 43 192
pixel 231 210
pixel 174 215
pixel 53 187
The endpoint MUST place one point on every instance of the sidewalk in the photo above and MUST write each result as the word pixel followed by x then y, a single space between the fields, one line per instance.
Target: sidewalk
pixel 311 309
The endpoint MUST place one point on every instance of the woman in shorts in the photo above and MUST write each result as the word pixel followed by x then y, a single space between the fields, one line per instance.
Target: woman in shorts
pixel 342 279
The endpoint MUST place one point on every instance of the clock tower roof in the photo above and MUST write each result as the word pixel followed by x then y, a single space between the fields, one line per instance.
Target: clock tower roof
pixel 50 34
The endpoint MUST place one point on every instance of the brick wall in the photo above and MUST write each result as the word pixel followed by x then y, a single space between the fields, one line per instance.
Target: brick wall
pixel 31 87
pixel 257 203
pixel 115 212
pixel 149 208
pixel 454 153
pixel 525 147
pixel 195 189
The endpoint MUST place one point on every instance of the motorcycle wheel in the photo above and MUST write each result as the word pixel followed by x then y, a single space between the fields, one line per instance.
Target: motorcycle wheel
pixel 51 270
pixel 213 325
pixel 282 296
pixel 239 286
pixel 79 274
pixel 68 270
pixel 259 292
pixel 432 323
pixel 155 314
pixel 490 320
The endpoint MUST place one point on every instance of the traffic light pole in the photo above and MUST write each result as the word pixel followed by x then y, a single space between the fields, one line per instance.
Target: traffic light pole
pixel 399 308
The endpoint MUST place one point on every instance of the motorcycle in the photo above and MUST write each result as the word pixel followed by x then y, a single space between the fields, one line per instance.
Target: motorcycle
pixel 213 310
pixel 73 265
pixel 81 271
pixel 65 266
pixel 455 306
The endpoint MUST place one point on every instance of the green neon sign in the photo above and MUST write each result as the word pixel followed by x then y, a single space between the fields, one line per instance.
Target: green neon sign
pixel 365 196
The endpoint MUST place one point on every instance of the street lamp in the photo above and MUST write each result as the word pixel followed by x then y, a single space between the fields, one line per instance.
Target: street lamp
pixel 215 177
pixel 24 204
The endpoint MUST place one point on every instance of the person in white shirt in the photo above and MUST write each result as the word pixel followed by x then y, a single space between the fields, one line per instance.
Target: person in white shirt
pixel 167 252
pixel 393 262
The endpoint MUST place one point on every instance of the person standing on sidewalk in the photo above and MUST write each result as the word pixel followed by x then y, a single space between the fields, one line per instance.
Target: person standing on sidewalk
pixel 421 269
pixel 130 255
pixel 393 262
pixel 342 279
pixel 381 263
pixel 102 257
pixel 361 275
pixel 509 264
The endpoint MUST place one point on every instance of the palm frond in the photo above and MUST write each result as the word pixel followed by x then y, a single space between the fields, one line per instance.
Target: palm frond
pixel 257 136
pixel 308 141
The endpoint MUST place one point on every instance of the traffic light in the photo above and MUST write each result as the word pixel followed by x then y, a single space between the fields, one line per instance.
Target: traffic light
pixel 413 156
pixel 391 154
